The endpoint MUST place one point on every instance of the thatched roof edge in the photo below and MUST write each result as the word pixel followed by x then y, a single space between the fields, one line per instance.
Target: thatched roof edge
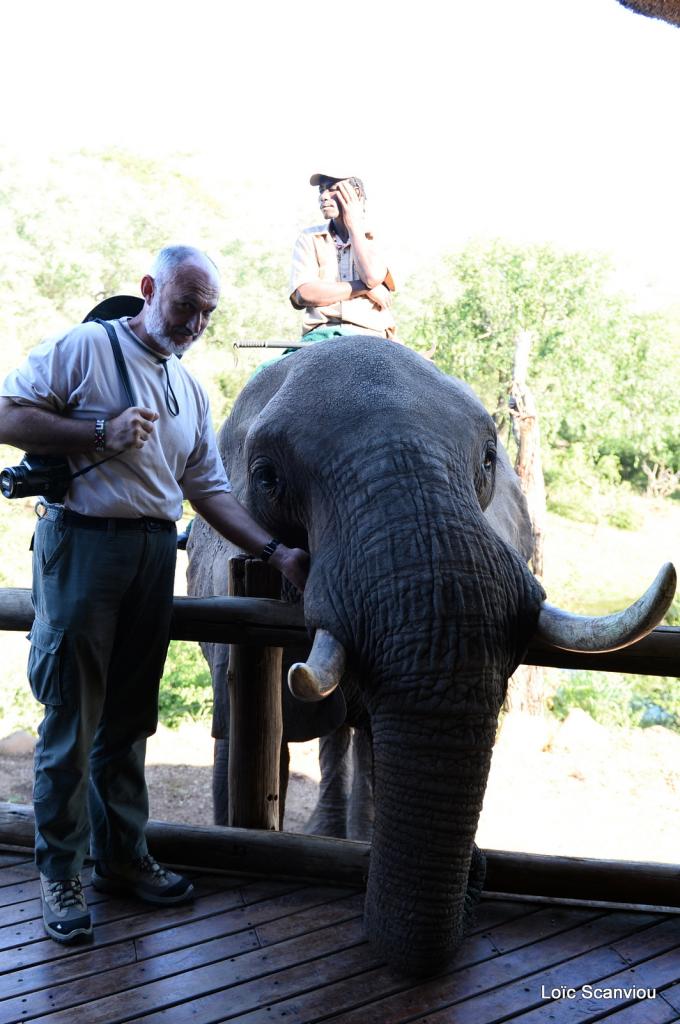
pixel 665 10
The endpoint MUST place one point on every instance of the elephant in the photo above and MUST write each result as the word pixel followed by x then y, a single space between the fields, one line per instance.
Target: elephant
pixel 381 466
pixel 344 807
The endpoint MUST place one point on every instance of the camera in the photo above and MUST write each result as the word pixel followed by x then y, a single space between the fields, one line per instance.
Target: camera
pixel 45 475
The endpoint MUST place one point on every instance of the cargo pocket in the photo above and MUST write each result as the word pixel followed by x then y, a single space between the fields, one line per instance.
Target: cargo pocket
pixel 44 663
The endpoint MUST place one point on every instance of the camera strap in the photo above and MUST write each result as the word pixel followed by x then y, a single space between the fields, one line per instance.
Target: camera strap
pixel 120 361
pixel 125 380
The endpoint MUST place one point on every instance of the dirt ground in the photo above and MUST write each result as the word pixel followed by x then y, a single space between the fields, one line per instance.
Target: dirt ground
pixel 571 788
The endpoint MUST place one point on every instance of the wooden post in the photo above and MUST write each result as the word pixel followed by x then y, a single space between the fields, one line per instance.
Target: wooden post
pixel 256 722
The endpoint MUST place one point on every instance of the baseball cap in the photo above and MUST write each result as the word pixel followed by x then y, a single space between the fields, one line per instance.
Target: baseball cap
pixel 316 179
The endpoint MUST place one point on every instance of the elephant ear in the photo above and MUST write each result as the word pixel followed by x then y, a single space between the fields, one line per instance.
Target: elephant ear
pixel 260 390
pixel 507 513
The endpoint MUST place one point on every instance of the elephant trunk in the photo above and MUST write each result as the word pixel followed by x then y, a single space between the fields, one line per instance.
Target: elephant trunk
pixel 423 841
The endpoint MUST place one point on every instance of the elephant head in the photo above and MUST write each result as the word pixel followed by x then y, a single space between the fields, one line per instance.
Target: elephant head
pixel 379 464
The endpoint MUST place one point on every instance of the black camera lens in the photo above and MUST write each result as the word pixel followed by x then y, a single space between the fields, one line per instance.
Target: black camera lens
pixel 8 482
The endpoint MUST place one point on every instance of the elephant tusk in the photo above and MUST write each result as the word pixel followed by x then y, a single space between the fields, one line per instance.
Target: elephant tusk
pixel 321 673
pixel 598 635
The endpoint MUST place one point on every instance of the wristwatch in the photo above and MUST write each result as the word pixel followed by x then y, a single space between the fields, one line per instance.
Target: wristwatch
pixel 99 435
pixel 269 549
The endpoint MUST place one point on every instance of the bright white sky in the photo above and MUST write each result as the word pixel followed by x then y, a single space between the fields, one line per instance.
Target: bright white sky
pixel 539 119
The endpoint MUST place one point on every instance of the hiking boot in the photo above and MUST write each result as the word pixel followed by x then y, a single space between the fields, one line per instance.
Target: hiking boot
pixel 144 878
pixel 65 912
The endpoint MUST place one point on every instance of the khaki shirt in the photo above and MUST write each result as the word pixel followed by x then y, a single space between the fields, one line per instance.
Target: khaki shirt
pixel 316 257
pixel 75 375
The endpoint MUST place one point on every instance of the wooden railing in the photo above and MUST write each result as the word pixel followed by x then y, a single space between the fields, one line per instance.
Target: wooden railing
pixel 265 622
pixel 255 625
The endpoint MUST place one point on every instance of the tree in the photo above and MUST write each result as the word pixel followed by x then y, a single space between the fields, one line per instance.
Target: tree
pixel 594 373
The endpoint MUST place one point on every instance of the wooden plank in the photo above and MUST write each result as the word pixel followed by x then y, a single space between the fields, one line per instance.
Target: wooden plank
pixel 530 993
pixel 238 974
pixel 29 945
pixel 303 992
pixel 491 912
pixel 499 987
pixel 8 859
pixel 672 996
pixel 22 903
pixel 16 874
pixel 651 1011
pixel 81 963
pixel 300 911
pixel 648 943
pixel 24 943
pixel 545 922
pixel 355 977
pixel 76 992
pixel 610 992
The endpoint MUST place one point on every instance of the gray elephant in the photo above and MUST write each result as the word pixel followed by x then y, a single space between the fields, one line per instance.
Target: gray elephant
pixel 380 465
pixel 344 807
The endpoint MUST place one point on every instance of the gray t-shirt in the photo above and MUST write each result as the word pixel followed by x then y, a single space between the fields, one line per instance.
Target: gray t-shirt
pixel 75 374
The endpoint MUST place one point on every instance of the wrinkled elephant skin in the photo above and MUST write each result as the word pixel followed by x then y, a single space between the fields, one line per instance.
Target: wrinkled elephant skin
pixel 382 466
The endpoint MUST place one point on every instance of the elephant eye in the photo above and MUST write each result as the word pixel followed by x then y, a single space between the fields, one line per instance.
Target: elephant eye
pixel 489 459
pixel 264 477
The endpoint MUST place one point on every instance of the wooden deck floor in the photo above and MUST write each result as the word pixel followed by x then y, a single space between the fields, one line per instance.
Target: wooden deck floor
pixel 293 953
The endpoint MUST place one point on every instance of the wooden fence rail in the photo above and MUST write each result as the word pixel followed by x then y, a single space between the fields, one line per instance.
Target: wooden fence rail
pixel 269 623
pixel 248 851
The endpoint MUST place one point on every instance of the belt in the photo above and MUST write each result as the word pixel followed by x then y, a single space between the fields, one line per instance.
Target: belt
pixel 147 523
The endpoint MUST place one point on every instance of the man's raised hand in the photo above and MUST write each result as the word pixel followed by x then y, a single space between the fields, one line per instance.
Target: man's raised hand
pixel 351 206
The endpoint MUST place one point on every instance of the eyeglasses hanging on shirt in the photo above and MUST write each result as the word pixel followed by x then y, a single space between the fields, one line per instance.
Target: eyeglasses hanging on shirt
pixel 171 403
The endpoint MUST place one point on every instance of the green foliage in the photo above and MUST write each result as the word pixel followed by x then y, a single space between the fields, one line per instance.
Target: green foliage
pixel 627 701
pixel 186 688
pixel 604 407
pixel 19 710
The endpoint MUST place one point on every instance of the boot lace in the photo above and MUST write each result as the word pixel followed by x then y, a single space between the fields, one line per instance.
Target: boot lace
pixel 149 866
pixel 67 892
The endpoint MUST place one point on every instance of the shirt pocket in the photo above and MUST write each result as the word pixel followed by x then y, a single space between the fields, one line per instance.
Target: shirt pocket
pixel 44 663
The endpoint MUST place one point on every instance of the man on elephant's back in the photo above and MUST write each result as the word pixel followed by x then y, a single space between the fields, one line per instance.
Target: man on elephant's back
pixel 339 276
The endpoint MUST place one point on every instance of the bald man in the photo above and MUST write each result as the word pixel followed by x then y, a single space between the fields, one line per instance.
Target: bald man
pixel 103 573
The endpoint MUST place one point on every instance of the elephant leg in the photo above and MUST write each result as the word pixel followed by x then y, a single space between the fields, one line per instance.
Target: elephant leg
pixel 329 817
pixel 475 885
pixel 220 782
pixel 361 810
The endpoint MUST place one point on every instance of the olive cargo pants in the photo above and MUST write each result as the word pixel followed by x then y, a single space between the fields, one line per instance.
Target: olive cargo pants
pixel 103 599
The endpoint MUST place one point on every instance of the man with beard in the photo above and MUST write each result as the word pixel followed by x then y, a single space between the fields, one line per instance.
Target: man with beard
pixel 103 573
